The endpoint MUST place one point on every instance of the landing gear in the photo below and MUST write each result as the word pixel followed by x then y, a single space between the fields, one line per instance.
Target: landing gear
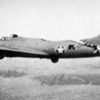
pixel 54 60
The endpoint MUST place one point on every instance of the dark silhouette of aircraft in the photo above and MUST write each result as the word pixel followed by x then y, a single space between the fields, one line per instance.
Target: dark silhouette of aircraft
pixel 16 46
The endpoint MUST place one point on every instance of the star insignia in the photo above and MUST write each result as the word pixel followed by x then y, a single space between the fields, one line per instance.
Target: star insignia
pixel 60 49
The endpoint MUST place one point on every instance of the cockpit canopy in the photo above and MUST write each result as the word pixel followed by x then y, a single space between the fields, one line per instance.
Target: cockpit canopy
pixel 9 38
pixel 4 38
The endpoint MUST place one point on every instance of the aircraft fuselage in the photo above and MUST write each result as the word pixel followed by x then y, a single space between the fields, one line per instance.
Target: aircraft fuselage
pixel 24 47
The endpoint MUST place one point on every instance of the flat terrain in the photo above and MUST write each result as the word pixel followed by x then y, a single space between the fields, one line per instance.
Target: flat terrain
pixel 35 79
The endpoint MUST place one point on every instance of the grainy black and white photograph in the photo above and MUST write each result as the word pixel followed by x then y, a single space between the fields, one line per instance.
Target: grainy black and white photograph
pixel 49 49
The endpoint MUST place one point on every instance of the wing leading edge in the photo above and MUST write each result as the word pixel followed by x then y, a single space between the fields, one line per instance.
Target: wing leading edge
pixel 94 40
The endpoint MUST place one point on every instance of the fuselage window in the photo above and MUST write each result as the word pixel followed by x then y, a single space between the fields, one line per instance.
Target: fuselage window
pixel 71 47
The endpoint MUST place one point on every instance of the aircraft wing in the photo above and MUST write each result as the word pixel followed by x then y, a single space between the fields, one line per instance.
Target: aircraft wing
pixel 19 49
pixel 93 41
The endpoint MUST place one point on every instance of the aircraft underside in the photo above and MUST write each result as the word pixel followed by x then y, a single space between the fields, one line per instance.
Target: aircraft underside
pixel 54 58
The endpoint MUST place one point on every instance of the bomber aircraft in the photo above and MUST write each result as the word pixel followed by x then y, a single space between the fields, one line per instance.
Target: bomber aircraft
pixel 16 46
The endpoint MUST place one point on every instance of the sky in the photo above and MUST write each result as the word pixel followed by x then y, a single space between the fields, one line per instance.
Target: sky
pixel 50 19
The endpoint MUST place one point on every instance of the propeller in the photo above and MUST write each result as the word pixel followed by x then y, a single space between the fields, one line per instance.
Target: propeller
pixel 96 49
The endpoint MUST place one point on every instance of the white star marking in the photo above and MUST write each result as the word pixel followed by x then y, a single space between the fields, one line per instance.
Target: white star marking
pixel 60 49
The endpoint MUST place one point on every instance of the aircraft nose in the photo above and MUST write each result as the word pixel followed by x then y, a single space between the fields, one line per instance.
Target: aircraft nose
pixel 60 49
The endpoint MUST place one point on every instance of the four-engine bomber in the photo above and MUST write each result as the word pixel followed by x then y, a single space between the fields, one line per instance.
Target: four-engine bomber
pixel 16 46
